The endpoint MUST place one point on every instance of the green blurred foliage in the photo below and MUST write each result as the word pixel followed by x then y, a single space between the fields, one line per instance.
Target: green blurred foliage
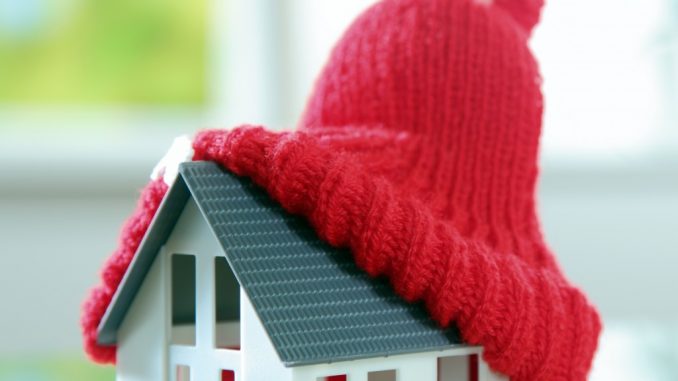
pixel 150 52
pixel 64 368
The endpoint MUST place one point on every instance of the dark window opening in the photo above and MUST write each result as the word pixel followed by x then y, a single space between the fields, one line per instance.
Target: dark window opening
pixel 382 375
pixel 183 299
pixel 453 368
pixel 227 295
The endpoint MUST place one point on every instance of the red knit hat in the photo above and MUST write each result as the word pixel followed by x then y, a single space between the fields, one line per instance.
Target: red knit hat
pixel 418 151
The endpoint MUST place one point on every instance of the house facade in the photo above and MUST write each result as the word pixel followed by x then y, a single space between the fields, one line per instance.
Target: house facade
pixel 227 286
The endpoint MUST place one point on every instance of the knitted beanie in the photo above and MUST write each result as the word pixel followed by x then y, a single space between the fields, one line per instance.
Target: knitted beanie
pixel 418 151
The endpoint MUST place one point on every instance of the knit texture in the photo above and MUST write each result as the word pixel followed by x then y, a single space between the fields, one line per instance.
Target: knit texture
pixel 418 151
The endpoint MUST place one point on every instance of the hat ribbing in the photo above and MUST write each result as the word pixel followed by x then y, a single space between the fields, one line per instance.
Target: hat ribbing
pixel 418 151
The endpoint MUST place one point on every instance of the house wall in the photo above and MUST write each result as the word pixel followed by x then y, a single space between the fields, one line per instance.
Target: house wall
pixel 260 360
pixel 415 366
pixel 148 353
pixel 142 336
pixel 193 236
pixel 146 350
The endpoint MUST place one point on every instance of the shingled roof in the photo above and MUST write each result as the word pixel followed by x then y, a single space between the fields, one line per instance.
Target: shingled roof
pixel 314 302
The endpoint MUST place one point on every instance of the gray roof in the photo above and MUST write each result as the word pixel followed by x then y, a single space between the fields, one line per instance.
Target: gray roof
pixel 314 302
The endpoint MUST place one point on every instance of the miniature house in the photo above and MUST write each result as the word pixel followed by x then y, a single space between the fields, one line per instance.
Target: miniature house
pixel 228 286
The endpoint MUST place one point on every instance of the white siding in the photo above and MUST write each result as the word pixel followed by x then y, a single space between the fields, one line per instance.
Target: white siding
pixel 141 339
pixel 416 366
pixel 193 236
pixel 260 359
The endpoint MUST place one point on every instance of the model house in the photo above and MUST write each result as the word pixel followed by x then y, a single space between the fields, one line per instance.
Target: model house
pixel 228 286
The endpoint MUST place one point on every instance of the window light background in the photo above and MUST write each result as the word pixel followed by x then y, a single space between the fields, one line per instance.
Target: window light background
pixel 93 92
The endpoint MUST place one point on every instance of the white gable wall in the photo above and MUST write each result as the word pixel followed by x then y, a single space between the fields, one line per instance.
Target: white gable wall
pixel 141 354
pixel 145 351
pixel 193 236
pixel 260 359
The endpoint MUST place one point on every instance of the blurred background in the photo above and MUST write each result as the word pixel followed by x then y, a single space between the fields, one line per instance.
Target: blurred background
pixel 92 92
